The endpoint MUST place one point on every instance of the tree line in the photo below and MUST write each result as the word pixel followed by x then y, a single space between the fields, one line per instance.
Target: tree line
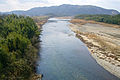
pixel 111 19
pixel 19 36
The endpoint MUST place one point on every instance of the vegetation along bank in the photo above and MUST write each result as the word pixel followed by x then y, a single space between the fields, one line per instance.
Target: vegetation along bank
pixel 19 39
pixel 110 19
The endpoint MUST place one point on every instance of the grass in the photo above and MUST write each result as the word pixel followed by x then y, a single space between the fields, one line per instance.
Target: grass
pixel 104 45
pixel 83 22
pixel 40 20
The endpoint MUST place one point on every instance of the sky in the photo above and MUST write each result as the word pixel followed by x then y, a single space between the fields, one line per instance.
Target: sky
pixel 10 5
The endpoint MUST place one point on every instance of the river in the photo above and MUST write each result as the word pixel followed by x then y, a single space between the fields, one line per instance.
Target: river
pixel 64 57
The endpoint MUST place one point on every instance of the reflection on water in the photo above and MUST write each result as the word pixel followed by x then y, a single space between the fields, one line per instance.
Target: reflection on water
pixel 64 57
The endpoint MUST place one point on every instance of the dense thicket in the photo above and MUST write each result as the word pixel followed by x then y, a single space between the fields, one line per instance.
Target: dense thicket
pixel 18 38
pixel 111 19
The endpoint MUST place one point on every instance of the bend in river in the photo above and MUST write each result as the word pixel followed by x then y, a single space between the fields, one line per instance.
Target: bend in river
pixel 65 57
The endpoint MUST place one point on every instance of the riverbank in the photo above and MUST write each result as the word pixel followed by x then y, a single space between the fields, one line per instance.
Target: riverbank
pixel 102 40
pixel 39 20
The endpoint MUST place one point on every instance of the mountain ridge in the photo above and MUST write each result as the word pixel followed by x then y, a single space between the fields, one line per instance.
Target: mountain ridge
pixel 65 10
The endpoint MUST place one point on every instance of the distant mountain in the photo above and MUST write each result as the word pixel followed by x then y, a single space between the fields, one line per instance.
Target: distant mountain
pixel 65 10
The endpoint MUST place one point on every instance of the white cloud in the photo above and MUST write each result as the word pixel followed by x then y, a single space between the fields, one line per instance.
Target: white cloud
pixel 59 2
pixel 17 5
pixel 10 5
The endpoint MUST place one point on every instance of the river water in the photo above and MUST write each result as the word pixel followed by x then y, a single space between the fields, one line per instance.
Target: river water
pixel 64 57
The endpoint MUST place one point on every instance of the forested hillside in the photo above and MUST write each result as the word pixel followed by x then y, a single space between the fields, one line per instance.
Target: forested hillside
pixel 18 51
pixel 111 19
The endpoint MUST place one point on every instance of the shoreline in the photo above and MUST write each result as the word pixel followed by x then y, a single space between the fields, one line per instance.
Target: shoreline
pixel 40 21
pixel 98 53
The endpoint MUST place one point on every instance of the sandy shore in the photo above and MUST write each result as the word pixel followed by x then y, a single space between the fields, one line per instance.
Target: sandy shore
pixel 103 42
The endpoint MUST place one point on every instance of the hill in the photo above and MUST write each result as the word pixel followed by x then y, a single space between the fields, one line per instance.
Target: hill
pixel 65 10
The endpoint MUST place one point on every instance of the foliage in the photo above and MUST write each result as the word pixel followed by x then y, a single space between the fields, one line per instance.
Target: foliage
pixel 16 40
pixel 111 19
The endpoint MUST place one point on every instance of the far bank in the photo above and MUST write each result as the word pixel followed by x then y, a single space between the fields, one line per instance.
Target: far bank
pixel 103 42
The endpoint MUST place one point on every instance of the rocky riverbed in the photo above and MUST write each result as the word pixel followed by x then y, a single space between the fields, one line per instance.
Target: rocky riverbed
pixel 102 40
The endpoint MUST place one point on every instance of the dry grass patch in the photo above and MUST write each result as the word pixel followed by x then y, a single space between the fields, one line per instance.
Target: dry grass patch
pixel 83 22
pixel 107 46
pixel 66 17
pixel 78 21
pixel 40 20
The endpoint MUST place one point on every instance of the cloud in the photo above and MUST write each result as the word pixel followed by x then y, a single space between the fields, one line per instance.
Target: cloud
pixel 9 5
pixel 21 5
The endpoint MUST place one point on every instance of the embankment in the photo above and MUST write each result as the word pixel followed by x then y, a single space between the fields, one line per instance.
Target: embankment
pixel 103 42
pixel 39 20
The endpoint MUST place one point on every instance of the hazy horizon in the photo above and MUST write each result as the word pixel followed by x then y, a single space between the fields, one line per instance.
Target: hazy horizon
pixel 8 5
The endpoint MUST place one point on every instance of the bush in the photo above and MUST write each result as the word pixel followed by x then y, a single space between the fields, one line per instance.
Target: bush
pixel 111 19
pixel 18 34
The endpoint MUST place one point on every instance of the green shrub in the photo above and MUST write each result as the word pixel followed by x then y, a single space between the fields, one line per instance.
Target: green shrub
pixel 18 34
pixel 111 19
